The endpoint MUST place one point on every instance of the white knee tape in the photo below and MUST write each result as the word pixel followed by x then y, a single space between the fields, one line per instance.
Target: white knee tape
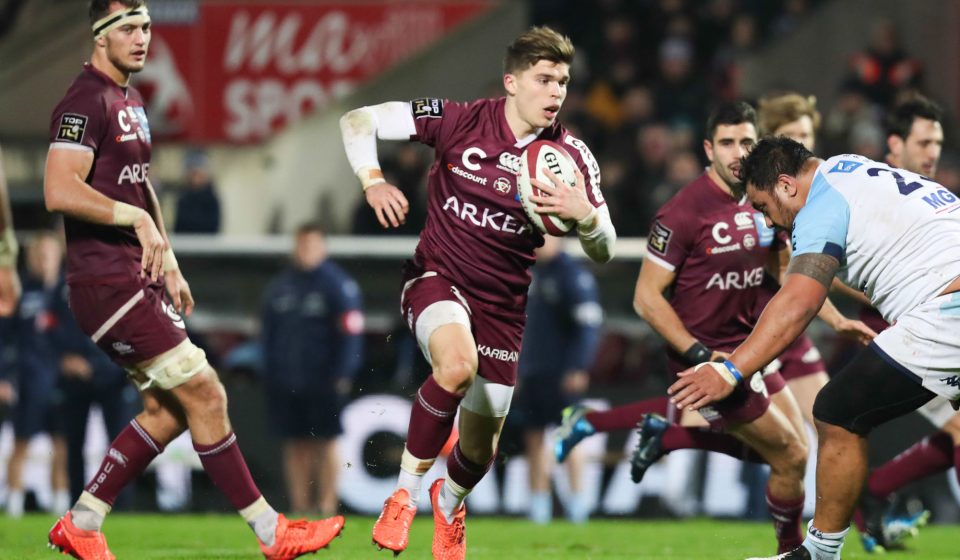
pixel 487 398
pixel 435 316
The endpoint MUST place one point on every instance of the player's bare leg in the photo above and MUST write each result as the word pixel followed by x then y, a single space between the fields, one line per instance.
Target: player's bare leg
pixel 15 463
pixel 774 437
pixel 805 390
pixel 204 403
pixel 58 476
pixel 538 465
pixel 297 469
pixel 453 353
pixel 327 457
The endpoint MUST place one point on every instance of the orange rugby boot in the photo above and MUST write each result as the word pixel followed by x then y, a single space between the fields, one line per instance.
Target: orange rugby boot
pixel 449 539
pixel 393 526
pixel 85 545
pixel 301 536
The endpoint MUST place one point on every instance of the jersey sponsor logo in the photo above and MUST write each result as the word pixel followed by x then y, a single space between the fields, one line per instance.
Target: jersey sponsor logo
pixel 466 174
pixel 134 173
pixel 172 314
pixel 141 118
pixel 749 242
pixel 734 280
pixel 845 166
pixel 502 185
pixel 498 353
pixel 71 128
pixel 659 239
pixel 719 233
pixel 593 168
pixel 942 200
pixel 121 138
pixel 486 218
pixel 509 163
pixel 766 233
pixel 122 348
pixel 744 220
pixel 468 154
pixel 723 249
pixel 427 107
pixel 120 458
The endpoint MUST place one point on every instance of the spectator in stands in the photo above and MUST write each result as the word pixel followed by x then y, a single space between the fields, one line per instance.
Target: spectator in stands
pixel 198 206
pixel 35 410
pixel 312 341
pixel 563 318
pixel 884 68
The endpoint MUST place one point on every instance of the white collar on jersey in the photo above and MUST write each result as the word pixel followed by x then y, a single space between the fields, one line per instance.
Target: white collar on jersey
pixel 522 143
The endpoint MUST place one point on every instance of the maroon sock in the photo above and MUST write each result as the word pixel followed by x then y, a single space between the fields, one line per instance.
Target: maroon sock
pixel 627 416
pixel 930 455
pixel 787 518
pixel 465 472
pixel 129 454
pixel 679 437
pixel 431 419
pixel 225 466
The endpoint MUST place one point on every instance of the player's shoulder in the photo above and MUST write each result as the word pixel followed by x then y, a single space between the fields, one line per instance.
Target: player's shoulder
pixel 86 92
pixel 691 198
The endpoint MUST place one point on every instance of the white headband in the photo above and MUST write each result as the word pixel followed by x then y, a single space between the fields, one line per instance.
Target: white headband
pixel 139 16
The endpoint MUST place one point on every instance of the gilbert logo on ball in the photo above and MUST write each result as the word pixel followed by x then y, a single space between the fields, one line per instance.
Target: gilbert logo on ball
pixel 540 155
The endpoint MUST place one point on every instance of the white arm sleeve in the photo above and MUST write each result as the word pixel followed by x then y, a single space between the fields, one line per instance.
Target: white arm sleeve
pixel 598 243
pixel 361 127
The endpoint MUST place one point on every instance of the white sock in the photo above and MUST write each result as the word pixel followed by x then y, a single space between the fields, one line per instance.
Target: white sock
pixel 823 546
pixel 89 512
pixel 411 483
pixel 412 470
pixel 15 501
pixel 262 519
pixel 451 498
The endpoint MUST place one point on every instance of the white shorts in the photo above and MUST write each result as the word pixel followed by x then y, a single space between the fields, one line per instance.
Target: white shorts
pixel 939 411
pixel 925 342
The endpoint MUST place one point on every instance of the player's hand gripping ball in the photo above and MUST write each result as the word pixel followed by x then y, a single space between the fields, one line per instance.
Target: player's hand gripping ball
pixel 540 155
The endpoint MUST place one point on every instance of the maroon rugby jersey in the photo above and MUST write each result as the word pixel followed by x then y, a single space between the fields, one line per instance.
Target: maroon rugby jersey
pixel 97 114
pixel 718 247
pixel 476 233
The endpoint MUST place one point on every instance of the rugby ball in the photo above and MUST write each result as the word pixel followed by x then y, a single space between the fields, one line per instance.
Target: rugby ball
pixel 540 155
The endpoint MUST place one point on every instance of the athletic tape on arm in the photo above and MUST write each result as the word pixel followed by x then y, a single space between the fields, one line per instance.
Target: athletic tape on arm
pixel 598 242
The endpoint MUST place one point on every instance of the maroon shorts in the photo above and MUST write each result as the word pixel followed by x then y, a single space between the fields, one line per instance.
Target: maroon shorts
pixel 498 334
pixel 748 401
pixel 131 321
pixel 801 359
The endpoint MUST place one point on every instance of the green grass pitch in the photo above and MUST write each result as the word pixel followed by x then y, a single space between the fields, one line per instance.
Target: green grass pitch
pixel 226 536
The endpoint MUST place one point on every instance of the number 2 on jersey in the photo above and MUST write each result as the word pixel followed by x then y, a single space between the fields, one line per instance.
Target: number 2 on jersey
pixel 903 186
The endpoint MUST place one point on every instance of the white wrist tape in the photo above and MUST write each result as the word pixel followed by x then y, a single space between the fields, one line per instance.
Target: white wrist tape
pixel 126 214
pixel 370 176
pixel 8 248
pixel 726 370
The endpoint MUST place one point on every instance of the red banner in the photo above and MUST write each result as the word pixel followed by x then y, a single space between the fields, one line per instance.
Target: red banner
pixel 239 72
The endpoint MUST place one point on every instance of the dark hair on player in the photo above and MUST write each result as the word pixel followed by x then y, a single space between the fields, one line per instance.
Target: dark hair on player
pixel 770 158
pixel 730 113
pixel 311 227
pixel 100 8
pixel 900 120
pixel 778 110
pixel 536 44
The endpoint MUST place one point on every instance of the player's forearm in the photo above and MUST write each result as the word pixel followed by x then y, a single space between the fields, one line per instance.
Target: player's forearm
pixel 360 129
pixel 153 207
pixel 830 315
pixel 839 287
pixel 656 310
pixel 782 321
pixel 75 198
pixel 597 235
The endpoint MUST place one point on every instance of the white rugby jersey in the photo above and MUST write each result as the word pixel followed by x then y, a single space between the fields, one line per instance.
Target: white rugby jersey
pixel 896 233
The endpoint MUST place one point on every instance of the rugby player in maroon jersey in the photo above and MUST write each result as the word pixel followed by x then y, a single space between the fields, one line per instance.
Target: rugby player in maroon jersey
pixel 465 289
pixel 119 265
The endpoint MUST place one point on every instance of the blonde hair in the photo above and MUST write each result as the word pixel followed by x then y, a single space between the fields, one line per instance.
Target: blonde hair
pixel 537 43
pixel 776 111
